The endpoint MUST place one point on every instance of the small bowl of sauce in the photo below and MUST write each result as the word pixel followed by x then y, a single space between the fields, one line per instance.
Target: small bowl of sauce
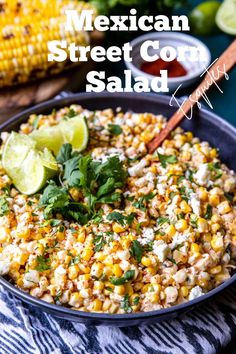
pixel 184 63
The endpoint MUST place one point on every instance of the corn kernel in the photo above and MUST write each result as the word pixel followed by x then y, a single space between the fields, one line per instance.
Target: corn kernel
pixel 100 256
pixel 117 228
pixel 81 236
pixel 215 270
pixel 151 270
pixel 154 298
pixel 185 207
pixel 145 288
pixel 117 270
pixel 215 228
pixel 202 225
pixel 84 269
pixel 181 225
pixel 217 243
pixel 75 300
pixel 203 195
pixel 184 291
pixel 86 254
pixel 214 200
pixel 97 305
pixel 224 207
pixel 97 270
pixel 146 261
pixel 170 230
pixel 119 289
pixel 98 285
pixel 216 218
pixel 195 248
pixel 129 289
pixel 106 305
pixel 73 272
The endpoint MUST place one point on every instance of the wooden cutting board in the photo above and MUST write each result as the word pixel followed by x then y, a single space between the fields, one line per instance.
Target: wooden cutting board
pixel 15 99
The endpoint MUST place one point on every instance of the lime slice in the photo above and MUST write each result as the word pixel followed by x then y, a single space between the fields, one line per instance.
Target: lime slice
pixel 226 17
pixel 73 130
pixel 202 18
pixel 28 168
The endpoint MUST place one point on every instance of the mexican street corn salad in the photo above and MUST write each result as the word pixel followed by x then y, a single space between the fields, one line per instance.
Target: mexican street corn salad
pixel 115 229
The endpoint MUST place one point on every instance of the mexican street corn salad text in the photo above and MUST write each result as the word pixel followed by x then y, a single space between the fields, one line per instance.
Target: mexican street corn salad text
pixel 119 230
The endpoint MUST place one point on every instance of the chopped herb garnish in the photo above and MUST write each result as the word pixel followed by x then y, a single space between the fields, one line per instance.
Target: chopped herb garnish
pixel 4 206
pixel 137 250
pixel 99 242
pixel 162 220
pixel 136 300
pixel 141 202
pixel 180 179
pixel 55 222
pixel 149 246
pixel 71 113
pixel 189 175
pixel 165 159
pixel 129 275
pixel 229 196
pixel 120 218
pixel 208 213
pixel 36 122
pixel 43 263
pixel 114 129
pixel 193 221
pixel 75 260
pixel 125 305
pixel 58 295
pixel 215 169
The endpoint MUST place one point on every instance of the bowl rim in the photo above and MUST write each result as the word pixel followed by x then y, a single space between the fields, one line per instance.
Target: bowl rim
pixel 172 35
pixel 99 316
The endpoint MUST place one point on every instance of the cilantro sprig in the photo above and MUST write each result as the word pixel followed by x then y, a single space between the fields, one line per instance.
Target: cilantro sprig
pixel 97 182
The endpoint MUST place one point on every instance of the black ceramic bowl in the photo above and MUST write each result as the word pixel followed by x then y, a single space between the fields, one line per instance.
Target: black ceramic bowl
pixel 205 125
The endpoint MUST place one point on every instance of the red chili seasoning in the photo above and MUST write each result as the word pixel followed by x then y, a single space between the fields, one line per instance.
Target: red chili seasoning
pixel 174 68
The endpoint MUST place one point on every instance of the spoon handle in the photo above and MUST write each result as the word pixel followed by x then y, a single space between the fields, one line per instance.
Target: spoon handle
pixel 215 73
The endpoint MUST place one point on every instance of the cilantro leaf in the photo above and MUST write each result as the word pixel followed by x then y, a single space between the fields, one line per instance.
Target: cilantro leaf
pixel 165 159
pixel 114 129
pixel 129 275
pixel 99 242
pixel 120 218
pixel 141 202
pixel 54 198
pixel 208 213
pixel 215 169
pixel 162 220
pixel 64 153
pixel 4 207
pixel 137 250
pixel 125 305
pixel 43 263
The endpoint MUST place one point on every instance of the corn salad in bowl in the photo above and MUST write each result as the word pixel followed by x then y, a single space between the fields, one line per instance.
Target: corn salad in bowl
pixel 119 230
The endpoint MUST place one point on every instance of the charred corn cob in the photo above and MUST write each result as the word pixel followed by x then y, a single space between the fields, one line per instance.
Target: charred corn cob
pixel 24 45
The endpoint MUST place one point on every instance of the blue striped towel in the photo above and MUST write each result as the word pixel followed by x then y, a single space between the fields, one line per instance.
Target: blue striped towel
pixel 27 330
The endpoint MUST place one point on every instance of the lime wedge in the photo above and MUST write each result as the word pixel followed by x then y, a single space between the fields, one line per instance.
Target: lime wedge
pixel 226 17
pixel 202 18
pixel 73 130
pixel 28 168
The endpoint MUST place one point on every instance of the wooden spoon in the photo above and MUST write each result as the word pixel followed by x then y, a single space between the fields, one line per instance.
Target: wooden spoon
pixel 214 74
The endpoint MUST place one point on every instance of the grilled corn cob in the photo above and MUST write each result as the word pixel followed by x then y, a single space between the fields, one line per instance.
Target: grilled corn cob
pixel 24 45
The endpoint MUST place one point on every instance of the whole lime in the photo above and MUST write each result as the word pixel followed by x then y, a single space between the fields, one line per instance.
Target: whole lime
pixel 202 18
